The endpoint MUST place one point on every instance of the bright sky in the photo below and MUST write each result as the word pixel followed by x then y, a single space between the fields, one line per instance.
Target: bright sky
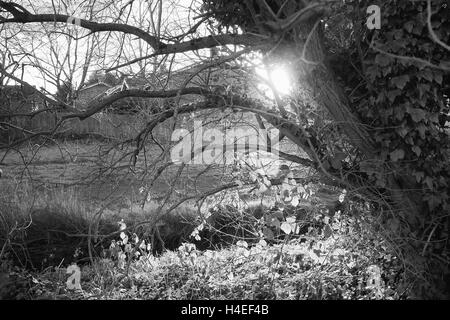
pixel 56 52
pixel 50 43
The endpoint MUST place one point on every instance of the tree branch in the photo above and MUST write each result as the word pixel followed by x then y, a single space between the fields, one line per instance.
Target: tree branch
pixel 43 96
pixel 25 16
pixel 160 47
pixel 135 93
pixel 430 28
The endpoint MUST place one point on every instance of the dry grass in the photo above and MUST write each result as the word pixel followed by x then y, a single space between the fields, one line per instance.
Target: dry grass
pixel 43 227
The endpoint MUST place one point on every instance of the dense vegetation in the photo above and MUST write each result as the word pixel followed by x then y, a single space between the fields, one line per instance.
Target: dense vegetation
pixel 317 256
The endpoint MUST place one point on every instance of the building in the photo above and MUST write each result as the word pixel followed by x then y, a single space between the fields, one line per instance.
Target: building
pixel 19 99
pixel 15 102
pixel 87 95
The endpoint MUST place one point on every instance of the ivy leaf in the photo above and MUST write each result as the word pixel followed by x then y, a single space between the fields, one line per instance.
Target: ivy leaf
pixel 372 72
pixel 417 30
pixel 336 163
pixel 419 175
pixel 417 114
pixel 399 112
pixel 327 231
pixel 434 117
pixel 400 81
pixel 408 26
pixel 444 64
pixel 326 165
pixel 403 131
pixel 438 77
pixel 382 60
pixel 398 34
pixel 427 75
pixel 295 201
pixel 429 181
pixel 421 128
pixel 393 94
pixel 268 233
pixel 397 155
pixel 386 71
pixel 417 150
pixel 423 88
pixel 274 222
pixel 291 220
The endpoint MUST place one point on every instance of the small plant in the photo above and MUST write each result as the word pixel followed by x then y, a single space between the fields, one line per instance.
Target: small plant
pixel 127 248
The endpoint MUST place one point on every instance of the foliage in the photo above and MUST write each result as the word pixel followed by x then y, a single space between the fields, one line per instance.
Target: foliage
pixel 404 104
pixel 405 95
pixel 251 16
pixel 337 265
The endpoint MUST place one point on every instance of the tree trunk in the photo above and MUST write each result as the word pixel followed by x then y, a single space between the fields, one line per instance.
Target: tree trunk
pixel 423 270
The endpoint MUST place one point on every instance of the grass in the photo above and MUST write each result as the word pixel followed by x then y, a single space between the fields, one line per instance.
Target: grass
pixel 36 224
pixel 45 227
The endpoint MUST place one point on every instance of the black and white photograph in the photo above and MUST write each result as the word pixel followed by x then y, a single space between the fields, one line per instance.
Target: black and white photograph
pixel 224 156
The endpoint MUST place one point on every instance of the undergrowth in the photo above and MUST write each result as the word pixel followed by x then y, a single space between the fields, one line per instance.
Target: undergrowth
pixel 293 253
pixel 336 265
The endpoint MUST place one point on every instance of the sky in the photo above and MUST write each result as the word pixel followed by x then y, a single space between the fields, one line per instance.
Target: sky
pixel 56 51
pixel 50 42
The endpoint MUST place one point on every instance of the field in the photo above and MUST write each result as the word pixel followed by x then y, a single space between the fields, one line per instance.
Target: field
pixel 97 172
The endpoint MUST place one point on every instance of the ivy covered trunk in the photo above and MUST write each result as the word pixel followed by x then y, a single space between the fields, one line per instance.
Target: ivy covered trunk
pixel 390 110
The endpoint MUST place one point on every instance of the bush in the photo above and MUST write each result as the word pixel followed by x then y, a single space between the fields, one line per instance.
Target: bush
pixel 42 228
pixel 346 264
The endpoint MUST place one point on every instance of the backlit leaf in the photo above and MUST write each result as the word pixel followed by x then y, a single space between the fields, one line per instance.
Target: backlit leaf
pixel 286 227
pixel 397 155
pixel 401 81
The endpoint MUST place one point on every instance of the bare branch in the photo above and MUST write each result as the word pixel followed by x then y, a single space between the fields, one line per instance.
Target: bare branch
pixel 43 96
pixel 413 59
pixel 27 17
pixel 160 47
pixel 430 28
pixel 136 93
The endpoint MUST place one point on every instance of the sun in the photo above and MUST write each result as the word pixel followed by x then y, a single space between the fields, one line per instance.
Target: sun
pixel 281 79
pixel 279 76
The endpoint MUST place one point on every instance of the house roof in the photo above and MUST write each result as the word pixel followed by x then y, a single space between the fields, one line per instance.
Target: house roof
pixel 97 84
pixel 137 82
